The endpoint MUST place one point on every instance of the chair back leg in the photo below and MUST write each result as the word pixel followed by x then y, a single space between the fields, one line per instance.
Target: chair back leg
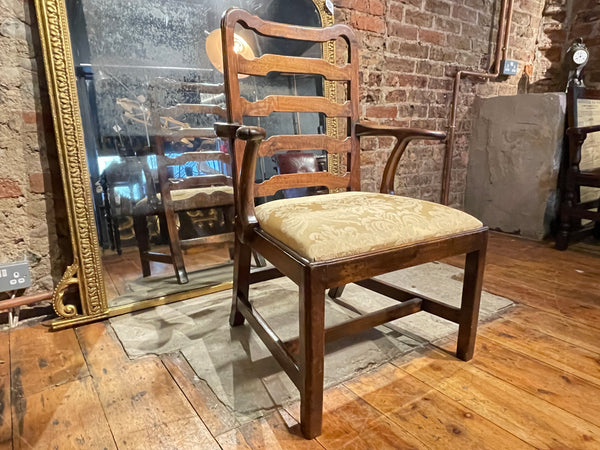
pixel 140 227
pixel 311 361
pixel 469 311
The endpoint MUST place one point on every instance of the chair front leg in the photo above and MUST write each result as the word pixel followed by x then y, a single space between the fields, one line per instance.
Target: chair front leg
pixel 312 349
pixel 469 311
pixel 241 281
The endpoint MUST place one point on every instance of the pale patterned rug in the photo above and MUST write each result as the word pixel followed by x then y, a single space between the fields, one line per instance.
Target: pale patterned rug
pixel 241 371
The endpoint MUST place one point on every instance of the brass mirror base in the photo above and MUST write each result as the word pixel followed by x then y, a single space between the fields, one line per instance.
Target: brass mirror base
pixel 62 323
pixel 86 272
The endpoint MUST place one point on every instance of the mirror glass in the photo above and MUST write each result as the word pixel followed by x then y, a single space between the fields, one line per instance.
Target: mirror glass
pixel 150 90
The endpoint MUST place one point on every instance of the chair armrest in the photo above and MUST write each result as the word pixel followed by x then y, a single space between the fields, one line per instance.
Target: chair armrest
pixel 403 137
pixel 577 136
pixel 582 130
pixel 244 196
pixel 226 130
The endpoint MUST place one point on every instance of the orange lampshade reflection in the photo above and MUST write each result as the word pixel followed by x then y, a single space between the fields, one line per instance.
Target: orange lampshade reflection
pixel 214 50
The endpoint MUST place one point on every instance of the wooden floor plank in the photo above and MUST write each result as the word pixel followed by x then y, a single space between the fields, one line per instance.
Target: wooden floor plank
pixel 41 359
pixel 277 430
pixel 351 422
pixel 558 326
pixel 428 415
pixel 578 307
pixel 527 416
pixel 140 398
pixel 5 404
pixel 542 277
pixel 556 352
pixel 109 285
pixel 555 386
pixel 233 439
pixel 534 380
pixel 66 416
pixel 216 416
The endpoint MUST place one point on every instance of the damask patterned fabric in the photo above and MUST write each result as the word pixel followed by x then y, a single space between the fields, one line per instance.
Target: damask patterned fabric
pixel 185 194
pixel 324 227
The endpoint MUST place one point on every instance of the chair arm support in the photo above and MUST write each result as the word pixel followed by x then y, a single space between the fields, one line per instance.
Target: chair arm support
pixel 244 198
pixel 403 137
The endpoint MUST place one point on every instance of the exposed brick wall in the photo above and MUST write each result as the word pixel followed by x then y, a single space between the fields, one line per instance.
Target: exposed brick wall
pixel 410 51
pixel 563 21
pixel 547 73
pixel 28 210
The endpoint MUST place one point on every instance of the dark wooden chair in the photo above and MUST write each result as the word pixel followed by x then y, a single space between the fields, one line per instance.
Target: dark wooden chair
pixel 208 185
pixel 326 241
pixel 577 200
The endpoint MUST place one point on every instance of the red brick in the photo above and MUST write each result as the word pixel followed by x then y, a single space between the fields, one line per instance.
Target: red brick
pixel 37 182
pixel 29 117
pixel 377 7
pixel 403 80
pixel 466 14
pixel 430 68
pixel 402 65
pixel 448 25
pixel 401 30
pixel 408 49
pixel 418 18
pixel 438 7
pixel 433 37
pixel 440 84
pixel 396 96
pixel 10 188
pixel 386 112
pixel 396 12
pixel 459 42
pixel 368 23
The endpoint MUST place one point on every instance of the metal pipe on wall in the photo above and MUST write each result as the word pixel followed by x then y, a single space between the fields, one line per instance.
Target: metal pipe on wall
pixel 504 22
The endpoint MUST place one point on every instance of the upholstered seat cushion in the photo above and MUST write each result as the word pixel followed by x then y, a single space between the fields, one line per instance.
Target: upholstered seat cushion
pixel 183 197
pixel 324 227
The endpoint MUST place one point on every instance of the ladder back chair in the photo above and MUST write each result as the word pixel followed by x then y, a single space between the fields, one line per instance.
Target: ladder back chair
pixel 580 168
pixel 208 185
pixel 326 241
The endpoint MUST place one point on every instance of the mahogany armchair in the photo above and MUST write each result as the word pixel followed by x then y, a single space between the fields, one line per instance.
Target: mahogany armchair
pixel 579 179
pixel 326 241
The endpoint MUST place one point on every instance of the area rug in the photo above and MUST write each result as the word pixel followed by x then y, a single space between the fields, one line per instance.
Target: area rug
pixel 240 370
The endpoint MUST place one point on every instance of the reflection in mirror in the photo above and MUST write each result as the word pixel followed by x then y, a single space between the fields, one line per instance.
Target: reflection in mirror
pixel 149 96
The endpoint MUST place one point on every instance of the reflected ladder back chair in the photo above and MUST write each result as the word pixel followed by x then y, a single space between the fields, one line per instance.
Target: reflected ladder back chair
pixel 325 241
pixel 209 188
pixel 580 167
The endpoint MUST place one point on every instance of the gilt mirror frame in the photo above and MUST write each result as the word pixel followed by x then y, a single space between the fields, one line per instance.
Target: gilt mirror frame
pixel 86 273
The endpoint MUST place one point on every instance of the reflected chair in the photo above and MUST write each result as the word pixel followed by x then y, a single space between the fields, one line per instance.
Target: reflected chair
pixel 196 179
pixel 326 241
pixel 580 167
pixel 122 181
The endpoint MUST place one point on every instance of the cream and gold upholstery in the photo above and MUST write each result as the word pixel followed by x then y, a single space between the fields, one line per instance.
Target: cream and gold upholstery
pixel 186 194
pixel 331 226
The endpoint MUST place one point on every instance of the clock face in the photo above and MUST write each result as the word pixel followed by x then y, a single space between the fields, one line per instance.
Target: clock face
pixel 580 56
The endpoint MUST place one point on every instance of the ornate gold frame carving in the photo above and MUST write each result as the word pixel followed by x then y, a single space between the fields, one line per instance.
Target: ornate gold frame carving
pixel 86 272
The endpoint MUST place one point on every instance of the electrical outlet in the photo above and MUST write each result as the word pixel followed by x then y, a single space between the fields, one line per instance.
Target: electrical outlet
pixel 509 67
pixel 14 276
